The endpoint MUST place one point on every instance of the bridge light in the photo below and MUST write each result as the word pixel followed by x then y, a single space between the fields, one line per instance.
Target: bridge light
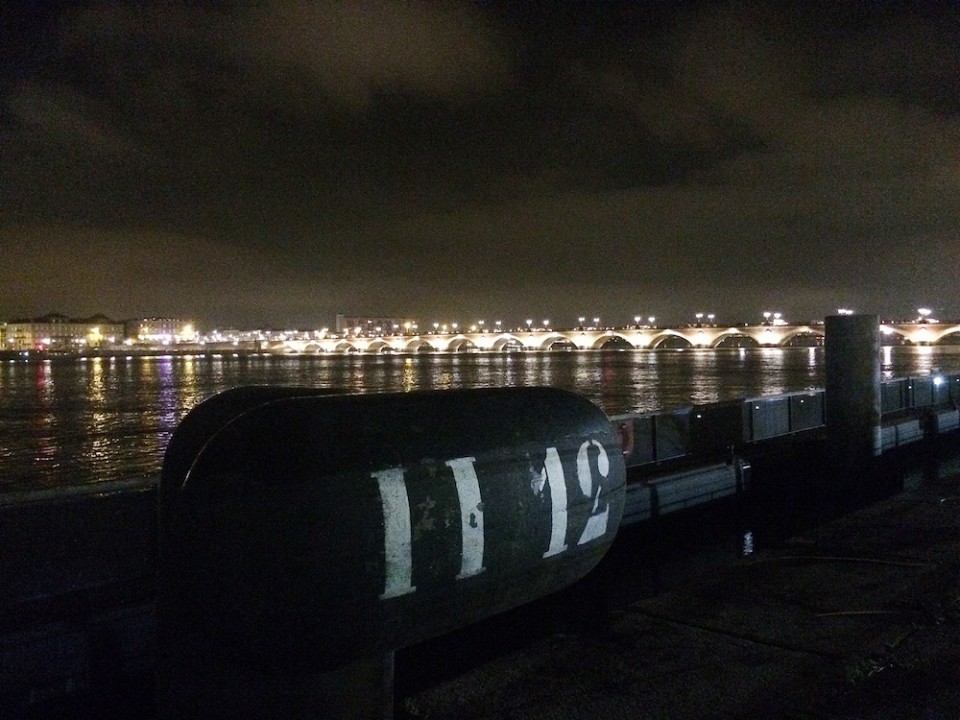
pixel 924 314
pixel 652 320
pixel 710 318
pixel 546 323
pixel 766 316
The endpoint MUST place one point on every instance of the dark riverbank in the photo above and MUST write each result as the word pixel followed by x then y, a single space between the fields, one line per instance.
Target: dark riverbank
pixel 705 614
pixel 856 618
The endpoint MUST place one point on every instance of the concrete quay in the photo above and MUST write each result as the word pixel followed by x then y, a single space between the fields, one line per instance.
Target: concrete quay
pixel 858 618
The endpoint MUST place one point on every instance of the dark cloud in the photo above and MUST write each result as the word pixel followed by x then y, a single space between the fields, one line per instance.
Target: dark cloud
pixel 285 161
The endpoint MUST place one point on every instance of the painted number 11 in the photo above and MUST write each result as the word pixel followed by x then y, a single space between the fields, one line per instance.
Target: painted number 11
pixel 398 546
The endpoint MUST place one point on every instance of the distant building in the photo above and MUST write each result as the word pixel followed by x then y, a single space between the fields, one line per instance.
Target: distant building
pixel 363 325
pixel 59 333
pixel 159 331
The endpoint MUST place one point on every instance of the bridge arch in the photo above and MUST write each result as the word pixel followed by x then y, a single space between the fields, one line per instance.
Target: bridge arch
pixel 734 338
pixel 892 336
pixel 506 343
pixel 313 347
pixel 670 338
pixel 559 342
pixel 346 347
pixel 417 345
pixel 792 336
pixel 379 346
pixel 950 336
pixel 461 344
pixel 552 339
pixel 615 339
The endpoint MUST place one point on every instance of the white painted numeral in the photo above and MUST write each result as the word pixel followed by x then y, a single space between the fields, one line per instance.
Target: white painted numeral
pixel 597 522
pixel 558 502
pixel 471 516
pixel 398 576
pixel 397 533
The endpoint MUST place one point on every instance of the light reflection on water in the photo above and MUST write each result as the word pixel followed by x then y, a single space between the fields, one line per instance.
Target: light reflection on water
pixel 71 421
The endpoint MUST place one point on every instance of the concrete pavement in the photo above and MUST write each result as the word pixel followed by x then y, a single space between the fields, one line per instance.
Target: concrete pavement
pixel 859 619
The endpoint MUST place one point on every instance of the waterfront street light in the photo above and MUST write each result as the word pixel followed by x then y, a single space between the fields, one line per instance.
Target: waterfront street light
pixel 766 317
pixel 636 321
pixel 596 322
pixel 580 321
pixel 710 318
pixel 529 323
pixel 924 314
pixel 436 327
pixel 546 324
pixel 498 323
pixel 699 319
pixel 652 320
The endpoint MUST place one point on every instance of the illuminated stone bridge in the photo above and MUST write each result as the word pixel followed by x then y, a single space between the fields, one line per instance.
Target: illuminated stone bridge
pixel 765 335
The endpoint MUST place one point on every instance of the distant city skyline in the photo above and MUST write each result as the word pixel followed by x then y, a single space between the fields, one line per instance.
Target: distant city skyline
pixel 57 334
pixel 281 162
pixel 384 324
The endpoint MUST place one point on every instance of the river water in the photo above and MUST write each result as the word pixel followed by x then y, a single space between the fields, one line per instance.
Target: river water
pixel 80 421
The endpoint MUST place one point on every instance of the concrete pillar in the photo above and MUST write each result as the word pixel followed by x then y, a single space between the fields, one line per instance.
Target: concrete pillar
pixel 853 388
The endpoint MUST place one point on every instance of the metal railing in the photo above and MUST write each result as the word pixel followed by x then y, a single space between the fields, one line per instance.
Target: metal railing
pixel 651 438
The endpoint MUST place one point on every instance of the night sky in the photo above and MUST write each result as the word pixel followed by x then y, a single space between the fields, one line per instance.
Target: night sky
pixel 277 163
